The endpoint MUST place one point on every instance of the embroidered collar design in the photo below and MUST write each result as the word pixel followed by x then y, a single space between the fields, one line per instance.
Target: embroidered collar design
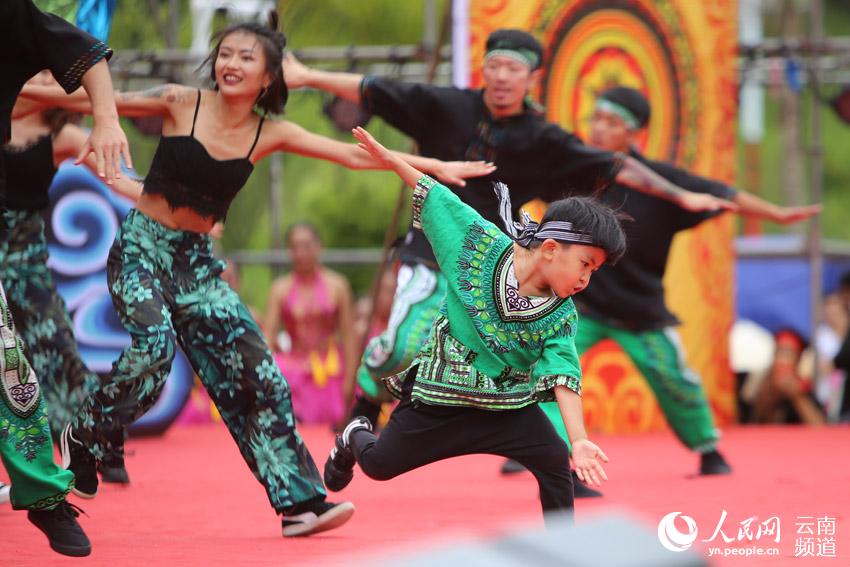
pixel 511 305
pixel 488 289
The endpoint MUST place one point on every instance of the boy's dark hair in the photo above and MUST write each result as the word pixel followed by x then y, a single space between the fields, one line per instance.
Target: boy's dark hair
pixel 844 281
pixel 516 40
pixel 272 99
pixel 590 216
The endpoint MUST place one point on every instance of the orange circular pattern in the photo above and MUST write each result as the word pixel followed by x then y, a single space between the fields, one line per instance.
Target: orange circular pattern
pixel 680 54
pixel 599 47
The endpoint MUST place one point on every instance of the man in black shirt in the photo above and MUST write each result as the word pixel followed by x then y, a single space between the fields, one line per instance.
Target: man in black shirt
pixel 626 301
pixel 30 41
pixel 536 159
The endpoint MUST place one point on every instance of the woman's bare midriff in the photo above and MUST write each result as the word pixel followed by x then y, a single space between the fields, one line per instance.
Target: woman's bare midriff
pixel 182 218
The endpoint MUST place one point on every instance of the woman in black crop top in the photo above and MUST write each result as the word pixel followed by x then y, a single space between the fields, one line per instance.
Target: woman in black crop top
pixel 39 143
pixel 165 281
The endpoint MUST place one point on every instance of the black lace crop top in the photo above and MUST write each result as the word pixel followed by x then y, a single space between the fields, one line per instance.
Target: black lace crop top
pixel 29 173
pixel 186 174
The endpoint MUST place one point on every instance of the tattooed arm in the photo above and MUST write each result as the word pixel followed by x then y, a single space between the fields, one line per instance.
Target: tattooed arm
pixel 155 101
pixel 639 177
pixel 42 98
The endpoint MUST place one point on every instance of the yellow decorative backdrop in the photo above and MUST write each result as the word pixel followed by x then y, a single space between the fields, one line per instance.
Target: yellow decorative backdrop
pixel 680 54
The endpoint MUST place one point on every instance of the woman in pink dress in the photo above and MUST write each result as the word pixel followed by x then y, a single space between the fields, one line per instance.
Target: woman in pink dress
pixel 313 304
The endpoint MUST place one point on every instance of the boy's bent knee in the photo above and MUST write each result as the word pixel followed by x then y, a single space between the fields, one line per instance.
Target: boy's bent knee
pixel 376 470
pixel 373 462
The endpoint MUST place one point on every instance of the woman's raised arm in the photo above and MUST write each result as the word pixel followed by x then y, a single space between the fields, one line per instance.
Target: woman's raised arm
pixel 290 137
pixel 156 101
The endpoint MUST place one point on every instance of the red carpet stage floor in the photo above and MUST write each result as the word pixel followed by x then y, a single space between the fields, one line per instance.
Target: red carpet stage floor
pixel 194 502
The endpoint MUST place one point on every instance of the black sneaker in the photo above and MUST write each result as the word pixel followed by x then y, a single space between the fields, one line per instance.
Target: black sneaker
pixel 113 471
pixel 77 459
pixel 713 463
pixel 315 517
pixel 339 468
pixel 63 532
pixel 581 490
pixel 111 467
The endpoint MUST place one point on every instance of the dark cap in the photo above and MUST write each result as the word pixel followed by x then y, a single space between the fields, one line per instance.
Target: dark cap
pixel 632 101
pixel 516 43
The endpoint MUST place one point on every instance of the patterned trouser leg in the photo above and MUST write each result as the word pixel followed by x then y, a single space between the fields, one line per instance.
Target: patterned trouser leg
pixel 419 292
pixel 42 319
pixel 660 358
pixel 25 446
pixel 140 372
pixel 230 354
pixel 166 287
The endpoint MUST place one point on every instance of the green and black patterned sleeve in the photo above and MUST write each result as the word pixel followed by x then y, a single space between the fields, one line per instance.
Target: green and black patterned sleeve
pixel 558 366
pixel 445 219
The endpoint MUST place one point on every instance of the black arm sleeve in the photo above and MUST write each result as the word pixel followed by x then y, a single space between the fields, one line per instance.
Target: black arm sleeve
pixel 692 182
pixel 46 41
pixel 574 167
pixel 695 183
pixel 30 41
pixel 414 108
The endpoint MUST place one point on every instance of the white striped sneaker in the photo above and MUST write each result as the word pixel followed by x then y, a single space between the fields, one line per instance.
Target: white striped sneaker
pixel 315 518
pixel 339 468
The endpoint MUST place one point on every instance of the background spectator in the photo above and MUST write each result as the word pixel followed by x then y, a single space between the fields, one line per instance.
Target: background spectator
pixel 784 396
pixel 313 304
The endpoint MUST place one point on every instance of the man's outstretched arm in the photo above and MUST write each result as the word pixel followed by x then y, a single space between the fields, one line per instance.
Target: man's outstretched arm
pixel 344 85
pixel 754 206
pixel 639 177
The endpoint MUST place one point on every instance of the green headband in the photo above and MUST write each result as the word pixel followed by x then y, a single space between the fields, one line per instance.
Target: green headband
pixel 525 56
pixel 606 105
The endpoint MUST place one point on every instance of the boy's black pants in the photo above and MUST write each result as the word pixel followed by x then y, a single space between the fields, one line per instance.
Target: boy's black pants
pixel 418 434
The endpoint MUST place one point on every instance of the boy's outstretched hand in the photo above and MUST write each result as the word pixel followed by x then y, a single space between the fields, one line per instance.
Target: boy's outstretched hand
pixel 587 459
pixel 448 172
pixel 374 147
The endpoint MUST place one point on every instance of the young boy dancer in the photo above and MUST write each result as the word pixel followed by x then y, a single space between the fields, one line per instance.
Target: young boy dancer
pixel 503 340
